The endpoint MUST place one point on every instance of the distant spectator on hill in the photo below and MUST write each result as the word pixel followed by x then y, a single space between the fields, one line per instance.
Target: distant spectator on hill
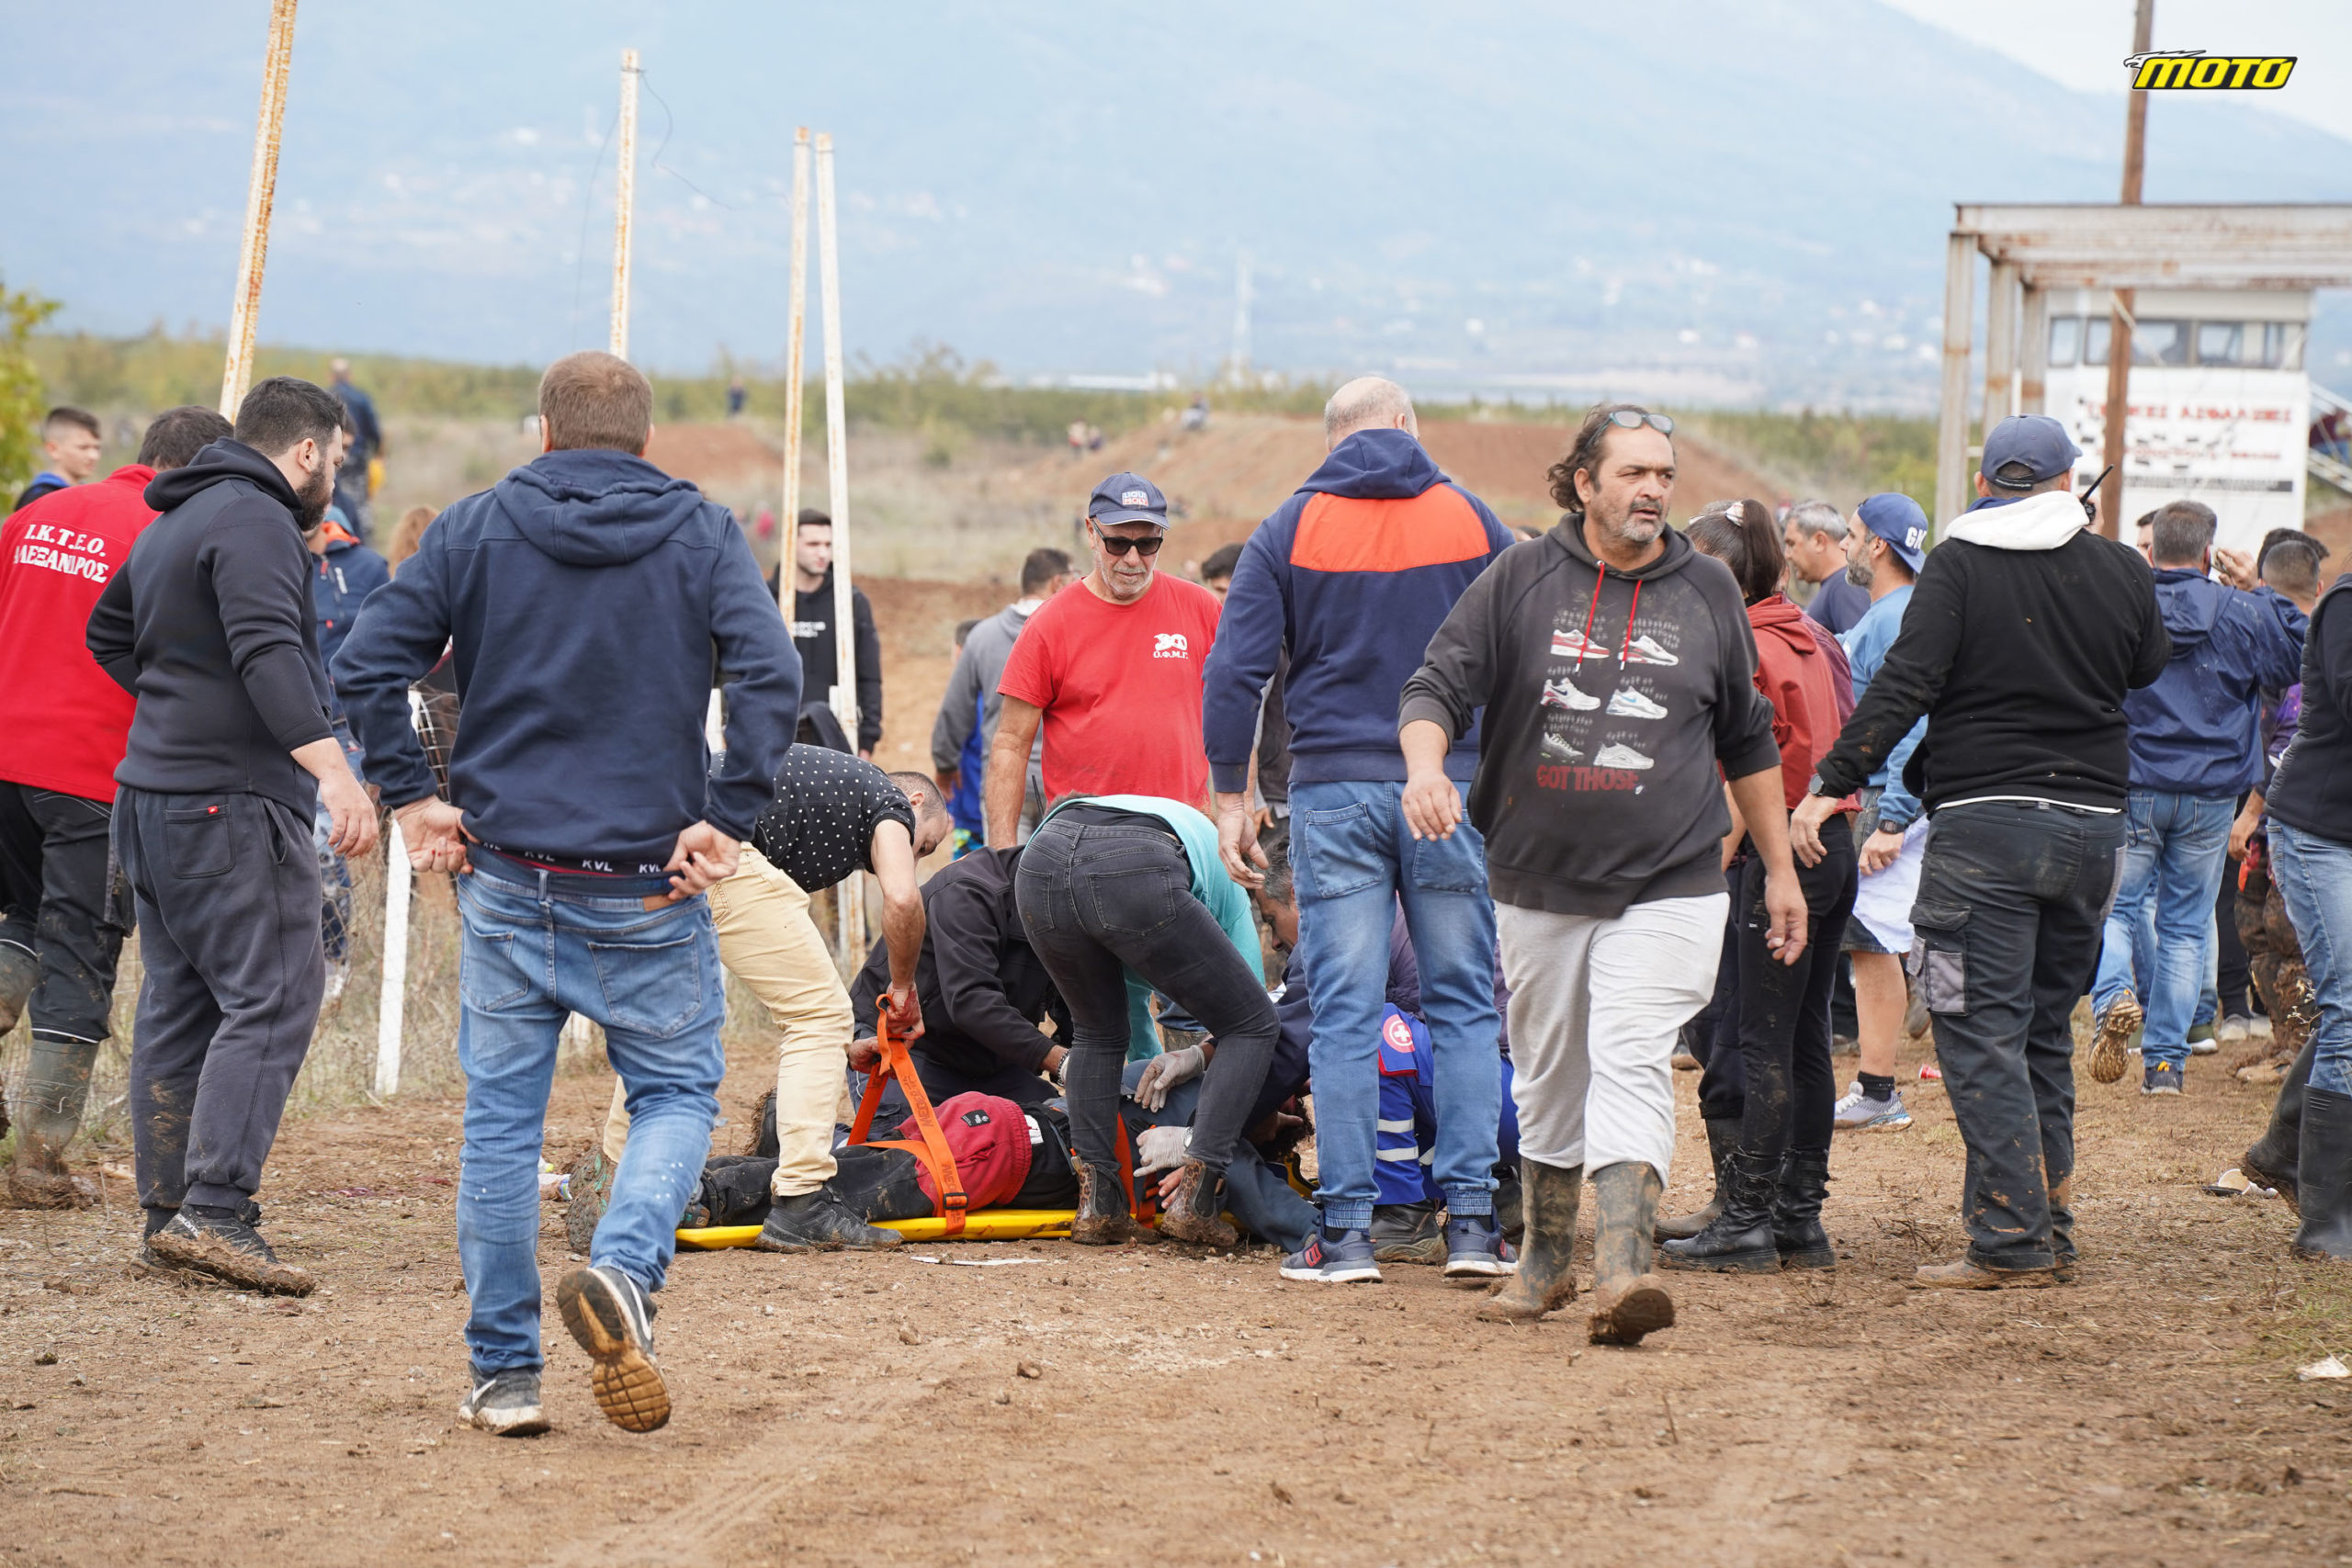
pixel 812 634
pixel 973 704
pixel 736 394
pixel 405 535
pixel 353 487
pixel 1814 537
pixel 71 443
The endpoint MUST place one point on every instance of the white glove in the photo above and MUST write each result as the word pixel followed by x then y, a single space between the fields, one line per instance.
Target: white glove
pixel 1162 1148
pixel 1164 1072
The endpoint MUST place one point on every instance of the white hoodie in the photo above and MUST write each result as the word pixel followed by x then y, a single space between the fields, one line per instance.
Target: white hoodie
pixel 2041 521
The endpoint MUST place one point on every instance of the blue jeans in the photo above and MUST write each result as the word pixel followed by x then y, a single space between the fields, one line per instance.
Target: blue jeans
pixel 2175 848
pixel 1353 860
pixel 532 954
pixel 2314 877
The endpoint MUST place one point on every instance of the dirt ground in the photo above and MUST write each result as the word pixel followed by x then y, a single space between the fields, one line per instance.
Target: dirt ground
pixel 1138 1404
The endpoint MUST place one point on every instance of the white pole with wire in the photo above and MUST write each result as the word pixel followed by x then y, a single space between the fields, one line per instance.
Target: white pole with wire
pixel 844 696
pixel 391 997
pixel 261 199
pixel 625 203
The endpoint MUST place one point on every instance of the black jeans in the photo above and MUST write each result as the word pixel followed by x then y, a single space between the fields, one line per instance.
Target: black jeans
pixel 1097 900
pixel 227 901
pixel 1771 1063
pixel 2012 896
pixel 57 894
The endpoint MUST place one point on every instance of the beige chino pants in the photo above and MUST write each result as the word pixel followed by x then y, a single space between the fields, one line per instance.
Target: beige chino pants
pixel 767 940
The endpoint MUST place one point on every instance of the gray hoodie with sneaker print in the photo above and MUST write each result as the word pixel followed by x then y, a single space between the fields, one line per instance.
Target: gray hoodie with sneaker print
pixel 1610 700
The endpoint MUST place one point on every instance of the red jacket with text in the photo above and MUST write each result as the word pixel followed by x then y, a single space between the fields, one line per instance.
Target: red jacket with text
pixel 63 723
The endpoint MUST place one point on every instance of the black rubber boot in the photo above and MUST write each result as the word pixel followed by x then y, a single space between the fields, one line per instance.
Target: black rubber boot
pixel 820 1222
pixel 1628 1300
pixel 1797 1235
pixel 2273 1159
pixel 1406 1232
pixel 1549 1196
pixel 2323 1176
pixel 1739 1239
pixel 1722 1137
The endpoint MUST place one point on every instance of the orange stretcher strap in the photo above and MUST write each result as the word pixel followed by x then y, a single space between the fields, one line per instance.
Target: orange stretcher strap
pixel 935 1156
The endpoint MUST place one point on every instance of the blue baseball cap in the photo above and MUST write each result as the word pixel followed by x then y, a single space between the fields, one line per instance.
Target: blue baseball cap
pixel 1128 498
pixel 1896 518
pixel 2033 447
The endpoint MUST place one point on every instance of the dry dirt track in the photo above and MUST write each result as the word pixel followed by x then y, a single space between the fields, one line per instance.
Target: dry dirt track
pixel 1197 1410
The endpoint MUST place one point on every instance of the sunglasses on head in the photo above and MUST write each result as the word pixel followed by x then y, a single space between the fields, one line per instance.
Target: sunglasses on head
pixel 1118 545
pixel 1634 419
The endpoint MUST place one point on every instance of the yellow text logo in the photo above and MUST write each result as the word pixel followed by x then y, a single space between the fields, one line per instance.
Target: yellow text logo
pixel 2194 68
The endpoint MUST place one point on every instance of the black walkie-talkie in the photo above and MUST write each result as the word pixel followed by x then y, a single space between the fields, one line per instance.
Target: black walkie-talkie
pixel 2089 497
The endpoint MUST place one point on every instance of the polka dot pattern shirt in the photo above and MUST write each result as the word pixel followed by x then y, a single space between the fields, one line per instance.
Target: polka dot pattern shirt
pixel 827 804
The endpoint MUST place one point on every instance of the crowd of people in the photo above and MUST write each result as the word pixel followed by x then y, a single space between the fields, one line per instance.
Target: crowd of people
pixel 1430 837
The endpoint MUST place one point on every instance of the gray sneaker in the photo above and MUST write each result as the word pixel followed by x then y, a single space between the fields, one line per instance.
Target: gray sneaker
pixel 1856 1113
pixel 505 1405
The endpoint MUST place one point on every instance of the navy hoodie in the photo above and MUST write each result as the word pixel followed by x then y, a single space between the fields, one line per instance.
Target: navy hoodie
pixel 1354 574
pixel 584 597
pixel 2198 729
pixel 340 583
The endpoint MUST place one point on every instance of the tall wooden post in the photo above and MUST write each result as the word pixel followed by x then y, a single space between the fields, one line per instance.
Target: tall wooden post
pixel 2001 345
pixel 625 203
pixel 796 331
pixel 844 696
pixel 2119 338
pixel 1952 425
pixel 261 197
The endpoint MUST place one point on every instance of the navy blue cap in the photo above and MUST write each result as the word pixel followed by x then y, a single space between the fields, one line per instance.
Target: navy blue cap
pixel 2034 440
pixel 1896 518
pixel 1128 498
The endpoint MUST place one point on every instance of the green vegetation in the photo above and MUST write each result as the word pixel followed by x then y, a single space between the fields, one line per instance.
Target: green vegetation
pixel 21 402
pixel 1843 455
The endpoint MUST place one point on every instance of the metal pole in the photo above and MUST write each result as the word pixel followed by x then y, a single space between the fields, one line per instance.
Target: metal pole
pixel 261 197
pixel 2118 339
pixel 1951 428
pixel 625 202
pixel 2001 345
pixel 844 698
pixel 796 330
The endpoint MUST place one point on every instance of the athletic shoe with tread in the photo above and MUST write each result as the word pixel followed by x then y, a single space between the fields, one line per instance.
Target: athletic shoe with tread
pixel 820 1222
pixel 1343 1260
pixel 2160 1078
pixel 226 1245
pixel 590 1190
pixel 505 1405
pixel 1621 757
pixel 1475 1249
pixel 1966 1275
pixel 1646 650
pixel 611 1318
pixel 1563 694
pixel 1627 703
pixel 1855 1114
pixel 1556 746
pixel 2111 1035
pixel 1571 644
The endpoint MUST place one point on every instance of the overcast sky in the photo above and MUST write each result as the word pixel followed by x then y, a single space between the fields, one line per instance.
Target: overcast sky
pixel 2082 43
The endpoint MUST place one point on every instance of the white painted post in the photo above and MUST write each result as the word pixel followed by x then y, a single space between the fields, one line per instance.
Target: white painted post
pixel 392 999
pixel 625 203
pixel 261 198
pixel 798 319
pixel 851 897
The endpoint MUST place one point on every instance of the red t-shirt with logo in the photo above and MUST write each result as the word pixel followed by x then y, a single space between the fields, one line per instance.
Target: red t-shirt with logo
pixel 1120 686
pixel 63 722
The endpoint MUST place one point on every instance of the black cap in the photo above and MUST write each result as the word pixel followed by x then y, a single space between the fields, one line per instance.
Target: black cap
pixel 1128 498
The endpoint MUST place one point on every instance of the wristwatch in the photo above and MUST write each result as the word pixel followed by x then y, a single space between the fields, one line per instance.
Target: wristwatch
pixel 1815 786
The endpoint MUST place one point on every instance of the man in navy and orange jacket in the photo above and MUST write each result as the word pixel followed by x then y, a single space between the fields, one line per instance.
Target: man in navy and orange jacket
pixel 1353 575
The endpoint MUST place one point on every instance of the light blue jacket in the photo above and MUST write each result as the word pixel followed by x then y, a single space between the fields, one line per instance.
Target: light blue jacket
pixel 1866 642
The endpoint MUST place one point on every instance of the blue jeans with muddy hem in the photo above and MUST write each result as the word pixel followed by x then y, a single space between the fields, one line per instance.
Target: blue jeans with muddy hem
pixel 533 952
pixel 2314 877
pixel 1353 860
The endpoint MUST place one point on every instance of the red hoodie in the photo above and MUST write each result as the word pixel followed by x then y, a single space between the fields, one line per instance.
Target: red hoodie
pixel 63 723
pixel 1802 674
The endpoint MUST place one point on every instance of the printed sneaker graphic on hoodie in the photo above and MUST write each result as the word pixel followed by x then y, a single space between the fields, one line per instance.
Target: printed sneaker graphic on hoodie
pixel 1558 748
pixel 1629 704
pixel 1572 643
pixel 1563 694
pixel 1621 757
pixel 1646 650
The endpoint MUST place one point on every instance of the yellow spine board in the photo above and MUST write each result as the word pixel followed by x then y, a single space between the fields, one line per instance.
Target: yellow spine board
pixel 990 1224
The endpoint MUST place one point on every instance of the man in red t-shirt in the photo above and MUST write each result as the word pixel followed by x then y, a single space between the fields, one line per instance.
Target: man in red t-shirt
pixel 1111 668
pixel 64 724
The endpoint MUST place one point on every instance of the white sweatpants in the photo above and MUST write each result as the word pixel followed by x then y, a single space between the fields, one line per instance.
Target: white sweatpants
pixel 1595 1007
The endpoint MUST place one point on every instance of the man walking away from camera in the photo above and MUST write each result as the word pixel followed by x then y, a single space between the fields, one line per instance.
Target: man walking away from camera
pixel 1617 671
pixel 2196 747
pixel 2023 634
pixel 973 705
pixel 1353 575
pixel 61 925
pixel 70 444
pixel 1815 539
pixel 585 599
pixel 208 625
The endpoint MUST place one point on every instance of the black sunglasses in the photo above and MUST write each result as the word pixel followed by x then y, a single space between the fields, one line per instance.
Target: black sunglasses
pixel 1634 419
pixel 1119 544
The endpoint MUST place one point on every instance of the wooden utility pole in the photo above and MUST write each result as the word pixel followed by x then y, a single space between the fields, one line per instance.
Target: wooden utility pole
pixel 796 331
pixel 2118 337
pixel 261 197
pixel 844 697
pixel 625 203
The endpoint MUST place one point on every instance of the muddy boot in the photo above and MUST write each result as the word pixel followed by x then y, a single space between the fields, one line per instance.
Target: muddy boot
pixel 2272 1160
pixel 2323 1176
pixel 820 1222
pixel 1739 1239
pixel 2111 1038
pixel 1103 1219
pixel 1797 1235
pixel 19 971
pixel 226 1245
pixel 2062 1230
pixel 1194 1213
pixel 1507 1202
pixel 1408 1233
pixel 591 1188
pixel 1628 1300
pixel 1548 1198
pixel 1723 1136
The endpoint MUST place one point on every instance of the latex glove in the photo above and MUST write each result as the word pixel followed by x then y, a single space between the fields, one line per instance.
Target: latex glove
pixel 1164 1072
pixel 1162 1148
